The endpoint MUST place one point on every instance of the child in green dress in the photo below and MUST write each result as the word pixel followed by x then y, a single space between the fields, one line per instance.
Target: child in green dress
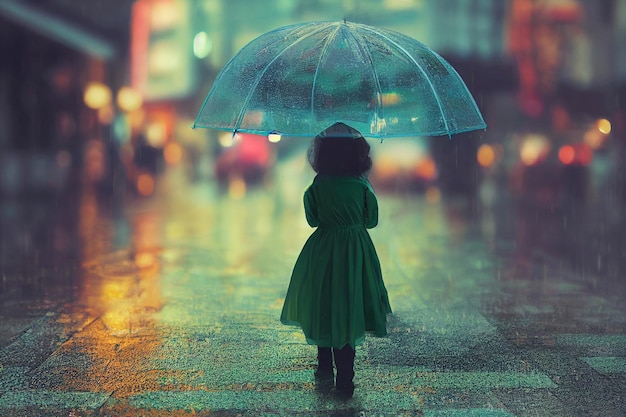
pixel 336 293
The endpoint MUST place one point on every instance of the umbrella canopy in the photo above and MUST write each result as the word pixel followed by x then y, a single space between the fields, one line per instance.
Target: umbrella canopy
pixel 300 79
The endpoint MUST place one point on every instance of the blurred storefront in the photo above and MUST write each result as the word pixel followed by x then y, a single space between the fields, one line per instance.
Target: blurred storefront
pixel 565 51
pixel 60 66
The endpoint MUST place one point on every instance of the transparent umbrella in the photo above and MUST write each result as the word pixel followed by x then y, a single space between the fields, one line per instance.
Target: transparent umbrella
pixel 298 80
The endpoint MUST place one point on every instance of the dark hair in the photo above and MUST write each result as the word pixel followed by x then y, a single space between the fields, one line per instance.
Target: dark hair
pixel 340 156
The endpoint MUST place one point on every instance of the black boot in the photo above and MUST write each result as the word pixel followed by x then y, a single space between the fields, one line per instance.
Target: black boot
pixel 344 360
pixel 324 362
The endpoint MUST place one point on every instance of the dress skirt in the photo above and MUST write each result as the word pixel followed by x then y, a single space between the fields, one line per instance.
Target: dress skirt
pixel 336 293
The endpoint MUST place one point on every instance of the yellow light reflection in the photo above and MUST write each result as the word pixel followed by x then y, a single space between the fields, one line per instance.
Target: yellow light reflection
pixel 144 260
pixel 114 290
pixel 390 99
pixel 119 293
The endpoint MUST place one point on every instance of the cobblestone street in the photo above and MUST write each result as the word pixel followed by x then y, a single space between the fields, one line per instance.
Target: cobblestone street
pixel 172 309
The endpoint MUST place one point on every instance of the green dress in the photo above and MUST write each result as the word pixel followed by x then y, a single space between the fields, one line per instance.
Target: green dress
pixel 336 292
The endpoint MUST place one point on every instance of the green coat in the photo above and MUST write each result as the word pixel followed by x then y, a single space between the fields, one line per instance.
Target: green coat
pixel 336 292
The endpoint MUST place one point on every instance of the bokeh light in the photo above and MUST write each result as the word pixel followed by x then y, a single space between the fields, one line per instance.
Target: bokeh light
pixel 535 148
pixel 156 134
pixel 173 153
pixel 237 188
pixel 129 99
pixel 486 155
pixel 274 137
pixel 567 154
pixel 576 154
pixel 202 45
pixel 604 126
pixel 426 169
pixel 144 260
pixel 145 185
pixel 97 95
pixel 226 139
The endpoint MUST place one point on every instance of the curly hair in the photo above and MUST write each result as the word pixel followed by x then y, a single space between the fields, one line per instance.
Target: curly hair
pixel 335 153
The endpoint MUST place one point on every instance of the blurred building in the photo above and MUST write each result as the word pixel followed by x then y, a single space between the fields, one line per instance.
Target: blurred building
pixel 83 83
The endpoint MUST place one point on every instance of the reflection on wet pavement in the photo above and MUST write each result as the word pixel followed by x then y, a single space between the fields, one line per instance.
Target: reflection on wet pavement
pixel 170 306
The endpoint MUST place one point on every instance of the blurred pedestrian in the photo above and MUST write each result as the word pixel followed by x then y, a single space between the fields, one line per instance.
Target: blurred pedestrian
pixel 147 157
pixel 336 292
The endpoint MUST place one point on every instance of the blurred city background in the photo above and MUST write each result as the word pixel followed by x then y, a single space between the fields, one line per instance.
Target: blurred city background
pixel 143 263
pixel 97 99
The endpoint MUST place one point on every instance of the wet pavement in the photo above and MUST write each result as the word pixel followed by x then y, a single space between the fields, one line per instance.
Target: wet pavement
pixel 169 306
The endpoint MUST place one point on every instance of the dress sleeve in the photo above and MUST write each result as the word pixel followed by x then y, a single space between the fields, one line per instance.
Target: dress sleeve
pixel 371 207
pixel 310 208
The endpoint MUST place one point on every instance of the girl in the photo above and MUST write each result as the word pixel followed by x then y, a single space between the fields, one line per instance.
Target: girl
pixel 336 292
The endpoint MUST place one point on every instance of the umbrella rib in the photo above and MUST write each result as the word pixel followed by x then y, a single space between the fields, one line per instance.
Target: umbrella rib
pixel 317 68
pixel 378 99
pixel 401 48
pixel 265 69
